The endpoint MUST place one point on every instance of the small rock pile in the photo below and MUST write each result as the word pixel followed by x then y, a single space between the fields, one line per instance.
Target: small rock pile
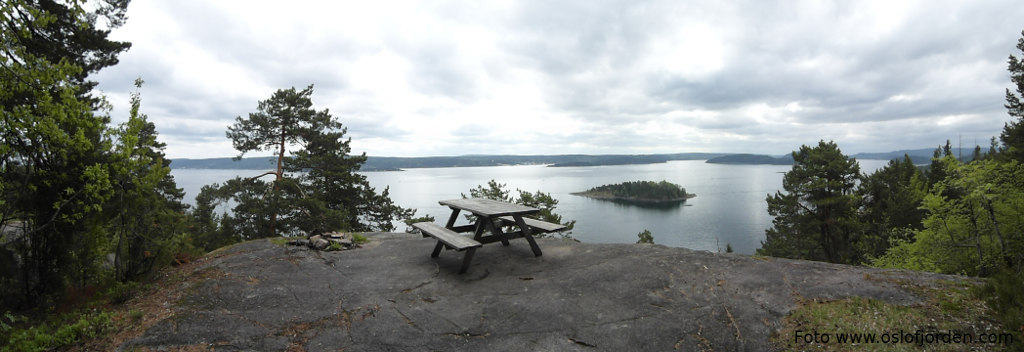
pixel 342 241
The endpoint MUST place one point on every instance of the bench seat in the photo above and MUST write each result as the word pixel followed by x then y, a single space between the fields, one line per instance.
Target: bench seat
pixel 535 224
pixel 449 239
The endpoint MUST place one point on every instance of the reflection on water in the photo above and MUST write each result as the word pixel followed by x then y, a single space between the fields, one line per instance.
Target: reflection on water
pixel 660 206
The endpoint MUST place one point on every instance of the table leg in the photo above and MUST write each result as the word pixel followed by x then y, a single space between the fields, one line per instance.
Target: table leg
pixel 437 249
pixel 468 257
pixel 478 230
pixel 452 218
pixel 496 231
pixel 527 234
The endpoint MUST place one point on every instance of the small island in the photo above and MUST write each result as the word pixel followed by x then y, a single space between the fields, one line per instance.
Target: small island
pixel 639 192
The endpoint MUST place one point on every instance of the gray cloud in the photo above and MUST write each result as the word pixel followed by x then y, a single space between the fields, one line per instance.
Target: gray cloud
pixel 623 76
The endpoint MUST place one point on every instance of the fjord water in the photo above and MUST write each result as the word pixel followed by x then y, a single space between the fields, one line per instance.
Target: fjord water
pixel 730 206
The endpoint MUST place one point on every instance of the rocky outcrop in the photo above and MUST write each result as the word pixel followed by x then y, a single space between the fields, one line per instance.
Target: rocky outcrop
pixel 392 296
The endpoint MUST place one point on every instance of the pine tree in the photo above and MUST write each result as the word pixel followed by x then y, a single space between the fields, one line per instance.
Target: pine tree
pixel 1013 131
pixel 816 218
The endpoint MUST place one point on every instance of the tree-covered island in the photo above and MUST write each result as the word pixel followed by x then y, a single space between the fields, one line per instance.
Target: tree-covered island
pixel 639 191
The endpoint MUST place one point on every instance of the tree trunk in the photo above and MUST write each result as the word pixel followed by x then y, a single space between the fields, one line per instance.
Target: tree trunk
pixel 977 244
pixel 995 226
pixel 277 182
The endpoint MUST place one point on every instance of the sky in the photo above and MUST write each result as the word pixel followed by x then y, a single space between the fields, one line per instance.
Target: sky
pixel 433 78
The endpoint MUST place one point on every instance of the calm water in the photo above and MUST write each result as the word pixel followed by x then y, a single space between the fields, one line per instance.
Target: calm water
pixel 729 208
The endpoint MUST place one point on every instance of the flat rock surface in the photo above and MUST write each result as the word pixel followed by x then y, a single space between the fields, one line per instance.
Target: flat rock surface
pixel 392 296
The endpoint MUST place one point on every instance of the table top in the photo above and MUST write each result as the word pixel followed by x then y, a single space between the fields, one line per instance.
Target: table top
pixel 488 207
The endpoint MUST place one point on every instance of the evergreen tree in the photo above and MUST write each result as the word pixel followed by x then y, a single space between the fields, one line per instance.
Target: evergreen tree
pixel 55 149
pixel 69 33
pixel 816 218
pixel 52 152
pixel 336 197
pixel 316 189
pixel 937 170
pixel 287 118
pixel 543 201
pixel 149 212
pixel 1013 131
pixel 889 205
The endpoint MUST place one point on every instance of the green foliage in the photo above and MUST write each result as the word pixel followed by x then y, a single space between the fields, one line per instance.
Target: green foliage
pixel 7 322
pixel 409 222
pixel 889 206
pixel 816 218
pixel 68 31
pixel 55 145
pixel 250 217
pixel 136 315
pixel 76 188
pixel 640 190
pixel 978 231
pixel 540 200
pixel 494 190
pixel 949 307
pixel 334 246
pixel 1003 294
pixel 359 239
pixel 287 118
pixel 938 171
pixel 315 189
pixel 728 247
pixel 547 204
pixel 119 292
pixel 69 330
pixel 150 215
pixel 1013 132
pixel 645 237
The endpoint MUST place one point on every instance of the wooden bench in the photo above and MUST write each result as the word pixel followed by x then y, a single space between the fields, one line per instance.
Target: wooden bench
pixel 449 239
pixel 534 224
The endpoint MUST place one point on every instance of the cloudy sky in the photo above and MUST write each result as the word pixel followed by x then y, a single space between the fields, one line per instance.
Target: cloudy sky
pixel 596 77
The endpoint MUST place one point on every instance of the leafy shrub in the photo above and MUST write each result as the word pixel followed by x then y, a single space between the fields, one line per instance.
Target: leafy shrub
pixel 409 222
pixel 645 237
pixel 43 337
pixel 1003 294
pixel 120 292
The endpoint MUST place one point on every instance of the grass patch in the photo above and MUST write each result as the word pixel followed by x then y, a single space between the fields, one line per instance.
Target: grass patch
pixel 136 315
pixel 359 239
pixel 952 318
pixel 280 241
pixel 335 246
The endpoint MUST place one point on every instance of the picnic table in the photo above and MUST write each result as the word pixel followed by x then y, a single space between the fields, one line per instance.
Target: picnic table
pixel 491 218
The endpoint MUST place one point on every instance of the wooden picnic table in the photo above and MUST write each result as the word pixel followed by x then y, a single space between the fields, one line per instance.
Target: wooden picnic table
pixel 490 219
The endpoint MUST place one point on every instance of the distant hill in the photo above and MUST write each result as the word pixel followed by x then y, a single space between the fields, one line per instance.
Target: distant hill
pixel 598 160
pixel 375 163
pixel 253 163
pixel 752 159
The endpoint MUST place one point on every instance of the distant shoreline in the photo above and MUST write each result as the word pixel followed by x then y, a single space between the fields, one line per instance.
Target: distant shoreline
pixel 374 163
